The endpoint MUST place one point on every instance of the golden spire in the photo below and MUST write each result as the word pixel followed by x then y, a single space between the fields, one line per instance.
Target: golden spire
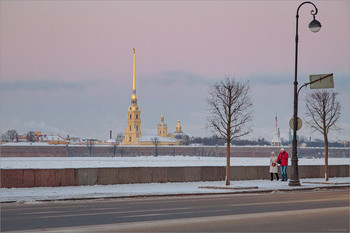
pixel 133 96
pixel 134 76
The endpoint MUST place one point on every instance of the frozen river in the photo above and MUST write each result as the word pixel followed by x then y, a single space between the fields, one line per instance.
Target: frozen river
pixel 145 161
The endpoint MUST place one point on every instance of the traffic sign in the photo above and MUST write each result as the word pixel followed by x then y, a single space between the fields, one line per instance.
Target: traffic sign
pixel 321 81
pixel 299 123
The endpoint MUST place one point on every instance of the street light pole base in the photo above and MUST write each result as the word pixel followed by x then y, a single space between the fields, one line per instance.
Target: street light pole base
pixel 294 183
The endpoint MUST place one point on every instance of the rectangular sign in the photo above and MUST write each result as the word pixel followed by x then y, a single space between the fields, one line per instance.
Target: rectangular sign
pixel 324 81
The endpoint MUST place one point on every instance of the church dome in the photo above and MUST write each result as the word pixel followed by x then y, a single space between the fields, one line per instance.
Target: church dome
pixel 178 128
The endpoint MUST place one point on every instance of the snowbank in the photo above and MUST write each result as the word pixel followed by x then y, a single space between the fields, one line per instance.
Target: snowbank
pixel 29 195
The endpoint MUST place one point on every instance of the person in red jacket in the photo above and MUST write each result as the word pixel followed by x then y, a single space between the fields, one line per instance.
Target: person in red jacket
pixel 282 159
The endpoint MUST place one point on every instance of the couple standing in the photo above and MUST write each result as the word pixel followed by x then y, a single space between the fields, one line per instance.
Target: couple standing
pixel 282 159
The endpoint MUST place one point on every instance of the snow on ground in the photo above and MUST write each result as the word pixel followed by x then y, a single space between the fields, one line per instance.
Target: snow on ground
pixel 145 161
pixel 28 195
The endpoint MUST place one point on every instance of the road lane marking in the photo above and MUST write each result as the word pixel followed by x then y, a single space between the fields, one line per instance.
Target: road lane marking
pixel 293 201
pixel 148 226
pixel 114 212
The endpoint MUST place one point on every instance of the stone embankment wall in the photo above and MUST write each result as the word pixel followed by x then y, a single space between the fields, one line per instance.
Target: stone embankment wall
pixel 120 151
pixel 19 178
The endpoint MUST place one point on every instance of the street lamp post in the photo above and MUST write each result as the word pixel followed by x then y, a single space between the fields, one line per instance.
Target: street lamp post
pixel 314 26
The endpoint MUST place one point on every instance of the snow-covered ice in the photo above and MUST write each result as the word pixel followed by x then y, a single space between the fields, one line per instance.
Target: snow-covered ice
pixel 145 161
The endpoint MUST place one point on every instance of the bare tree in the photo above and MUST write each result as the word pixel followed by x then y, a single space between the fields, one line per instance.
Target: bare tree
pixel 323 111
pixel 156 143
pixel 30 136
pixel 230 111
pixel 10 135
pixel 90 143
pixel 114 149
pixel 13 135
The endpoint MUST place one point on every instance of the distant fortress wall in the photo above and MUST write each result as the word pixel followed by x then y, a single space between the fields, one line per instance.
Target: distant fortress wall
pixel 128 151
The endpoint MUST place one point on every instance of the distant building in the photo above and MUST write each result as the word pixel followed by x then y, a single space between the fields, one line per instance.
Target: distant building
pixel 133 125
pixel 53 139
pixel 133 134
pixel 291 136
pixel 179 135
pixel 178 129
pixel 162 128
pixel 161 139
pixel 276 140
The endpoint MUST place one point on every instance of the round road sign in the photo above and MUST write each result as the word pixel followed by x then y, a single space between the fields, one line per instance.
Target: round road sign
pixel 299 123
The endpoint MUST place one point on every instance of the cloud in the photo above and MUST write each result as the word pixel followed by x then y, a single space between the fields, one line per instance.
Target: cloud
pixel 271 79
pixel 176 77
pixel 39 85
pixel 342 133
pixel 33 125
pixel 342 81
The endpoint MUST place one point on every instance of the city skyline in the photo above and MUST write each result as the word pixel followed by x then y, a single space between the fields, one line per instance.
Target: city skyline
pixel 66 67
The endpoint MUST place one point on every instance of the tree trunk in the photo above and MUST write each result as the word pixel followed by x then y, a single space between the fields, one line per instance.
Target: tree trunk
pixel 326 170
pixel 228 151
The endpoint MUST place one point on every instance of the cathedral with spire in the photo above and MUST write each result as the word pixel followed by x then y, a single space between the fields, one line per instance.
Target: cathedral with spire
pixel 133 134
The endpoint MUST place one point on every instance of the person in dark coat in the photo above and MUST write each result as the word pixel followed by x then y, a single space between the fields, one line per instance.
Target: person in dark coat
pixel 282 159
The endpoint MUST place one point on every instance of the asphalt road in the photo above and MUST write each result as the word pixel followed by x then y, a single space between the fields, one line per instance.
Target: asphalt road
pixel 313 211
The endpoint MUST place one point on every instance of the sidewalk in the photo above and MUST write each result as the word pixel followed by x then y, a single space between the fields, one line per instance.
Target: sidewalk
pixel 30 195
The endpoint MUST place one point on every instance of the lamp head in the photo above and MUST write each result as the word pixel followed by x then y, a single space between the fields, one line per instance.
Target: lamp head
pixel 315 25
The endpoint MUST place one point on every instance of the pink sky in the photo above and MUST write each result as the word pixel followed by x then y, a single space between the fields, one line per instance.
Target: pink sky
pixel 76 57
